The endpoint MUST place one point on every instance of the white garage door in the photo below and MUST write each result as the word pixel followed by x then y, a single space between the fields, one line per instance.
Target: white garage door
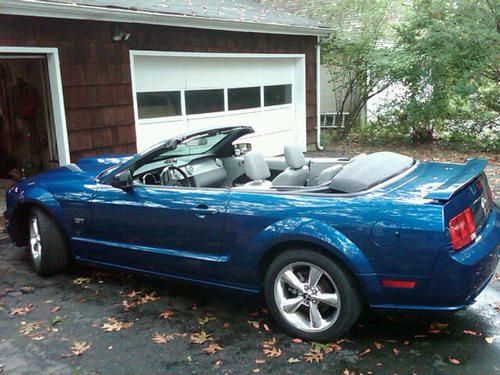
pixel 179 92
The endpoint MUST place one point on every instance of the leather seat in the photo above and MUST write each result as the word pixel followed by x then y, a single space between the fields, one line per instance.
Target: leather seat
pixel 327 175
pixel 257 170
pixel 297 172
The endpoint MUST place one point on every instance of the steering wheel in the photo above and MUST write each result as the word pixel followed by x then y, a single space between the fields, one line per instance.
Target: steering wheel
pixel 168 179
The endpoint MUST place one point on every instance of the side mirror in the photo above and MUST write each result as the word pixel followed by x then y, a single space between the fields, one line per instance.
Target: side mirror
pixel 242 148
pixel 122 180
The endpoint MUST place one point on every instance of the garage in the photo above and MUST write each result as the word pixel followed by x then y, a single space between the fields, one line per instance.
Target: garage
pixel 179 92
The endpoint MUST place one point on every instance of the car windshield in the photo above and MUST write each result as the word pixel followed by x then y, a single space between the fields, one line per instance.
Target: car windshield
pixel 199 144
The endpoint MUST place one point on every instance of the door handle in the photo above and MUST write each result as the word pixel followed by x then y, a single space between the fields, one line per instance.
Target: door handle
pixel 203 210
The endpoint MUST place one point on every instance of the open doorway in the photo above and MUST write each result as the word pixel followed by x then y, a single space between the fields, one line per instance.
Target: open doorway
pixel 27 135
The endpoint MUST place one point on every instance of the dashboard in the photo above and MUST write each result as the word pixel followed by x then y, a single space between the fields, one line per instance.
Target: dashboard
pixel 202 171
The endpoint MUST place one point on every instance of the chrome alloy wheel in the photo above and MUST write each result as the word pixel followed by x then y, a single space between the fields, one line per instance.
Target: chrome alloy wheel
pixel 307 297
pixel 35 241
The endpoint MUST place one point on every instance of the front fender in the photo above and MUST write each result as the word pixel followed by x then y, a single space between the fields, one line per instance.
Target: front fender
pixel 317 233
pixel 29 196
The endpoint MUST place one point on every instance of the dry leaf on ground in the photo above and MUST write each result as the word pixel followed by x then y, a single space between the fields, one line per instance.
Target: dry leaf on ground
pixel 80 347
pixel 21 310
pixel 114 325
pixel 212 348
pixel 167 314
pixel 82 280
pixel 200 337
pixel 161 338
pixel 272 352
pixel 454 360
pixel 314 355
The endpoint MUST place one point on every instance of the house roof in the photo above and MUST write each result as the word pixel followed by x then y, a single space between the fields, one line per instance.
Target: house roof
pixel 233 15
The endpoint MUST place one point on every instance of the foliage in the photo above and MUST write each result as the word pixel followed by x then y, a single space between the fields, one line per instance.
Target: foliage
pixel 450 69
pixel 356 55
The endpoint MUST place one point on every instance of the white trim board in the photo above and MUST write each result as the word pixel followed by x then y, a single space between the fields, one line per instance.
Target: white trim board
pixel 39 8
pixel 56 95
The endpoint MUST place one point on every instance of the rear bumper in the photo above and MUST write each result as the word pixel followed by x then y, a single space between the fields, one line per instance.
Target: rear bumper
pixel 458 276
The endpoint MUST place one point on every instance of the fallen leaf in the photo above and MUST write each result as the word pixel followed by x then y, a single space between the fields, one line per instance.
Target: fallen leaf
pixel 395 351
pixel 438 326
pixel 82 280
pixel 260 361
pixel 406 342
pixel 378 345
pixel 167 314
pixel 161 338
pixel 27 289
pixel 21 310
pixel 331 347
pixel 206 319
pixel 293 360
pixel 218 362
pixel 489 340
pixel 313 355
pixel 126 305
pixel 454 360
pixel 200 337
pixel 212 348
pixel 364 352
pixel 296 340
pixel 133 294
pixel 255 324
pixel 80 347
pixel 28 327
pixel 55 309
pixel 269 343
pixel 266 327
pixel 272 352
pixel 472 333
pixel 148 297
pixel 226 325
pixel 114 325
pixel 256 370
pixel 37 337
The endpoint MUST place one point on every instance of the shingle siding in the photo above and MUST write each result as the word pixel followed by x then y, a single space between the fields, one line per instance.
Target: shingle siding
pixel 96 74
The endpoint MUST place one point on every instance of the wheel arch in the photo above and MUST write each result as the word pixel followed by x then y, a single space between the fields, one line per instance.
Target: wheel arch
pixel 21 212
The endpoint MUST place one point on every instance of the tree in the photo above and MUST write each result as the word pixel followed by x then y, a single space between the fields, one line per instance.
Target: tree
pixel 450 66
pixel 359 53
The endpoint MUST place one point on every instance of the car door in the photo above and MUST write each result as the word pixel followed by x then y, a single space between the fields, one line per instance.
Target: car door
pixel 158 228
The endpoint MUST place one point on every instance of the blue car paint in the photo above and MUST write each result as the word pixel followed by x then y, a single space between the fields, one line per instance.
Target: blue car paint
pixel 394 231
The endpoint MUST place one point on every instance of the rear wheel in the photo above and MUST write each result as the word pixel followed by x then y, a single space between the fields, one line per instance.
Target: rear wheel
pixel 311 296
pixel 47 245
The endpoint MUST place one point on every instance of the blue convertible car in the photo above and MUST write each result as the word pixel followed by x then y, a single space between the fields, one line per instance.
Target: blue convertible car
pixel 320 237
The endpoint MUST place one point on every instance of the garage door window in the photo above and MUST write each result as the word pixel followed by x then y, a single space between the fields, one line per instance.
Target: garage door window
pixel 277 95
pixel 204 101
pixel 158 104
pixel 243 98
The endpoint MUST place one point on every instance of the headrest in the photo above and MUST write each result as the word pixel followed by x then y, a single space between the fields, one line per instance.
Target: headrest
pixel 256 167
pixel 294 157
pixel 328 174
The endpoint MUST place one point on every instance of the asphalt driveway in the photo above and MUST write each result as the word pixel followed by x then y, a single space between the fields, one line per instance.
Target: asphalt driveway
pixel 92 321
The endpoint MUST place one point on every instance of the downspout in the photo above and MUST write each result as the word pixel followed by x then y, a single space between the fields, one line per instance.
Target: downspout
pixel 318 95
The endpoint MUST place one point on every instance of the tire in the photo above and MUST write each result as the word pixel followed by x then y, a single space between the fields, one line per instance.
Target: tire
pixel 47 244
pixel 335 295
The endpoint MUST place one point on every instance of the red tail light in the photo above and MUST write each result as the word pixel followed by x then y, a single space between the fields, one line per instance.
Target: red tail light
pixel 462 229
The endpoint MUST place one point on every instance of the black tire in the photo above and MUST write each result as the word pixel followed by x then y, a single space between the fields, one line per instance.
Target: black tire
pixel 350 297
pixel 53 256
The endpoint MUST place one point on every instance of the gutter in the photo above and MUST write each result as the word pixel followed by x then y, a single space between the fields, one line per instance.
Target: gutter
pixel 318 95
pixel 37 8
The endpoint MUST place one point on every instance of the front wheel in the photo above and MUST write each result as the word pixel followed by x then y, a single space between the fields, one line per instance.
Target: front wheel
pixel 311 296
pixel 47 244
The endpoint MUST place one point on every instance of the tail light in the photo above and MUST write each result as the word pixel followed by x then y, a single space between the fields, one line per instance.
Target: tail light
pixel 462 229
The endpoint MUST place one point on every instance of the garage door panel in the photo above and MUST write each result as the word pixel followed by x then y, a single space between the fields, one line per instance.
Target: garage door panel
pixel 274 125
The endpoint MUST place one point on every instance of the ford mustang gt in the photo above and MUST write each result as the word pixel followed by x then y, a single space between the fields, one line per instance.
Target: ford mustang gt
pixel 321 237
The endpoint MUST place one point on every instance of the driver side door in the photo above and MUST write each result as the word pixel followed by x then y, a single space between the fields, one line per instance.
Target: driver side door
pixel 158 228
